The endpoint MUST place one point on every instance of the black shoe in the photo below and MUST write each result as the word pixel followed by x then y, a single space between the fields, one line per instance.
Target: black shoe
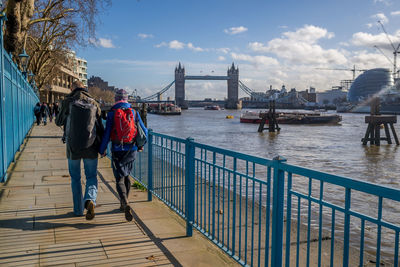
pixel 128 213
pixel 122 207
pixel 90 210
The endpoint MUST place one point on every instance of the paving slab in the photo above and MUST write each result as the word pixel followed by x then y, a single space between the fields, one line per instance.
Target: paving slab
pixel 38 227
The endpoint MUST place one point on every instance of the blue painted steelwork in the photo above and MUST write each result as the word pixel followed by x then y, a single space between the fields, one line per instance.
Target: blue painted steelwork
pixel 239 201
pixel 17 98
pixel 207 77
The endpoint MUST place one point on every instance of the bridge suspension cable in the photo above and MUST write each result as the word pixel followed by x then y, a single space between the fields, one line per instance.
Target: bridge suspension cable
pixel 245 89
pixel 158 93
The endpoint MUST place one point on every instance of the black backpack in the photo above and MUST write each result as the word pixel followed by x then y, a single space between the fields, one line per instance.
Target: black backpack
pixel 81 124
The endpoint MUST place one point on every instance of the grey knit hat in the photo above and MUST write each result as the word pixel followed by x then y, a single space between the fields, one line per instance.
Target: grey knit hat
pixel 121 95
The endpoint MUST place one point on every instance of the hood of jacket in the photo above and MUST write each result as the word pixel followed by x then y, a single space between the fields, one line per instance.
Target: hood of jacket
pixel 121 105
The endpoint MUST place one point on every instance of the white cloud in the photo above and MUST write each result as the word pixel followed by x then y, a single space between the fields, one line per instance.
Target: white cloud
pixel 369 25
pixel 386 2
pixel 224 50
pixel 235 30
pixel 309 33
pixel 283 27
pixel 381 17
pixel 145 36
pixel 196 49
pixel 175 44
pixel 370 40
pixel 102 42
pixel 256 60
pixel 367 60
pixel 221 58
pixel 162 44
pixel 395 13
pixel 301 47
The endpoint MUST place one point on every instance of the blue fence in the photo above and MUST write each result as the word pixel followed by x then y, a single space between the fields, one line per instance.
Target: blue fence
pixel 269 213
pixel 16 110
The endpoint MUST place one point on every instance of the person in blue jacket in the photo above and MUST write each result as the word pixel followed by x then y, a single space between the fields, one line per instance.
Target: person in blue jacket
pixel 123 155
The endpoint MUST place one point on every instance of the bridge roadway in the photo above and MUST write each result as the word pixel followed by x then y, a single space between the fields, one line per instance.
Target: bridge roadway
pixel 37 227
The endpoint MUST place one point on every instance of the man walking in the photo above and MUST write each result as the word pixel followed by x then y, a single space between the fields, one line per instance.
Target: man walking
pixel 36 111
pixel 80 116
pixel 122 129
pixel 44 112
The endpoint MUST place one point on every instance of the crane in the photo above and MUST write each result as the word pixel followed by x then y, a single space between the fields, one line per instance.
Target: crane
pixel 395 51
pixel 352 70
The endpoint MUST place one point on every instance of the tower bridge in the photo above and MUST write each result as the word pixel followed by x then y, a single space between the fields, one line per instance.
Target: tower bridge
pixel 232 79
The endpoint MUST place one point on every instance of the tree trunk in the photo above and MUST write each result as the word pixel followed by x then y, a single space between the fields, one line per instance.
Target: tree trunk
pixel 19 13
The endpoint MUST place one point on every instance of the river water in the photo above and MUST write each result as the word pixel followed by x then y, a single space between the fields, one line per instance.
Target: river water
pixel 335 149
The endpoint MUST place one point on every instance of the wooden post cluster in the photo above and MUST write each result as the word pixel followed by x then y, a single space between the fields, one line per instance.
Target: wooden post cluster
pixel 269 116
pixel 375 120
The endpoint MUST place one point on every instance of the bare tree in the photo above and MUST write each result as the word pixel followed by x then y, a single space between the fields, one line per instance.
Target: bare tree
pixel 105 96
pixel 49 31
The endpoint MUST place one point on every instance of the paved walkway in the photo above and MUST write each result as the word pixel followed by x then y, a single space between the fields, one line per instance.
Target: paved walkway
pixel 38 228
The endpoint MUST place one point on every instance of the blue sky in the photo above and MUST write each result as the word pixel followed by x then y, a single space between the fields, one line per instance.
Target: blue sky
pixel 139 43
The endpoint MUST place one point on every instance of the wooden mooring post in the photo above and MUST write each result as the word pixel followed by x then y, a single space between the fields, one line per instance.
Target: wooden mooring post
pixel 271 117
pixel 375 120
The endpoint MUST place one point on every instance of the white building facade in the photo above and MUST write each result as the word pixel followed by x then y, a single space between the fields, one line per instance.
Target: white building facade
pixel 331 97
pixel 81 70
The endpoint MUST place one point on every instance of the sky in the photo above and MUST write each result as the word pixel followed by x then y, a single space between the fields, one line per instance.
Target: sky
pixel 140 42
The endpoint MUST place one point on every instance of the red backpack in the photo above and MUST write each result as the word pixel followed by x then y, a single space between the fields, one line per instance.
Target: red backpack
pixel 124 130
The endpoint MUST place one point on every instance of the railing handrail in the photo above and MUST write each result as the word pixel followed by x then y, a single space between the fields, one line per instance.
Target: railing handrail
pixel 219 192
pixel 351 183
pixel 347 182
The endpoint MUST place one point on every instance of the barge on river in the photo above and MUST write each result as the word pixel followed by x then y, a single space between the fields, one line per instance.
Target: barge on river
pixel 214 107
pixel 293 118
pixel 164 109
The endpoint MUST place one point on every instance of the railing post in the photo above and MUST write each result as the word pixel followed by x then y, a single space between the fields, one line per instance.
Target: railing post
pixel 189 185
pixel 150 165
pixel 277 212
pixel 2 106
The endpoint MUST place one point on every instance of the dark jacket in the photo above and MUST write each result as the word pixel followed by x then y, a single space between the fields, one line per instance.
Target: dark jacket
pixel 44 110
pixel 61 119
pixel 109 127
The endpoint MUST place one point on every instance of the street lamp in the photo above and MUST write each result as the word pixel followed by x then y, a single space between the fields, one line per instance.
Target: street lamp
pixel 23 57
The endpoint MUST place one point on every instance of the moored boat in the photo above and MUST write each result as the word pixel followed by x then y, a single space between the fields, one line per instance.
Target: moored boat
pixel 293 118
pixel 164 109
pixel 250 117
pixel 214 107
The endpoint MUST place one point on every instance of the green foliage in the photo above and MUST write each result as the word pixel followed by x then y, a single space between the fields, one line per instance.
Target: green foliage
pixel 139 186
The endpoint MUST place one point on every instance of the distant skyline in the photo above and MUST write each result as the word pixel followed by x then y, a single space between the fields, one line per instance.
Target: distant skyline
pixel 139 43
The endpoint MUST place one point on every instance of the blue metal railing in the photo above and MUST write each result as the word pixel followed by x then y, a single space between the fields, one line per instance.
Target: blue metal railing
pixel 16 109
pixel 269 213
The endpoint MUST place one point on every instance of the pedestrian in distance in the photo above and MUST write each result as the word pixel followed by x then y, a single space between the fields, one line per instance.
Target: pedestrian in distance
pixel 44 112
pixel 36 111
pixel 80 115
pixel 50 106
pixel 121 129
pixel 56 109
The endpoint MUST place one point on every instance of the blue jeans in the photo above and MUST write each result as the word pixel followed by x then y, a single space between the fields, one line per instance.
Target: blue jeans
pixel 74 167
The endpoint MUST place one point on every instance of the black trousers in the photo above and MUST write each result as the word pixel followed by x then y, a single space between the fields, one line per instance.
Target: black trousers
pixel 122 164
pixel 38 119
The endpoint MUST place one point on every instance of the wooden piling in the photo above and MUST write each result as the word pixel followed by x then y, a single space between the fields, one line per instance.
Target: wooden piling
pixel 375 120
pixel 271 117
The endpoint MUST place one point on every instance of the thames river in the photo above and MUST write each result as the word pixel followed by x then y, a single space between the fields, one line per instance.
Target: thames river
pixel 335 149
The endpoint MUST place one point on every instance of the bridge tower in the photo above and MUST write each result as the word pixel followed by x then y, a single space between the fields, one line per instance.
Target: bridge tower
pixel 180 86
pixel 233 88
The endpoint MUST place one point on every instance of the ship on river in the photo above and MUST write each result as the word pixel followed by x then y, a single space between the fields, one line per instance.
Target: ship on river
pixel 293 118
pixel 213 107
pixel 164 109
